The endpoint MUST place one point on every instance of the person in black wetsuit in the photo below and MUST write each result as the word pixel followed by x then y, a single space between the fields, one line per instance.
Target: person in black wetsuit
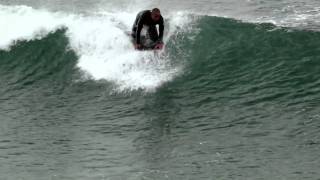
pixel 150 19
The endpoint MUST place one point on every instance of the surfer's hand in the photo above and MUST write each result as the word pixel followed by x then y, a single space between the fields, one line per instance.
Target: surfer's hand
pixel 137 46
pixel 159 46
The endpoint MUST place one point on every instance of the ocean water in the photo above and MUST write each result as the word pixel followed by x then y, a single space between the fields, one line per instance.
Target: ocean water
pixel 234 95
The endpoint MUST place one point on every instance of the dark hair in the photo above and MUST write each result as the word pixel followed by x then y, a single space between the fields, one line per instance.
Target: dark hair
pixel 156 10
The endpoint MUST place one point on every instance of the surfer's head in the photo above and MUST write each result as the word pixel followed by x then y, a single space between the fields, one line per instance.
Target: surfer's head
pixel 155 14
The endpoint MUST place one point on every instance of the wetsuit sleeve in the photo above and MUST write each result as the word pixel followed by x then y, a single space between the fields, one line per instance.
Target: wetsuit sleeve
pixel 139 28
pixel 161 28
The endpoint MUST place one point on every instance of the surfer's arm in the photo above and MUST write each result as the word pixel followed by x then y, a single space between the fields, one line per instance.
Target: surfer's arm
pixel 139 28
pixel 161 29
pixel 138 32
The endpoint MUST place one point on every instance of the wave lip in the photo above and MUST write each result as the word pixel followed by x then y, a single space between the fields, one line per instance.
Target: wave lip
pixel 25 23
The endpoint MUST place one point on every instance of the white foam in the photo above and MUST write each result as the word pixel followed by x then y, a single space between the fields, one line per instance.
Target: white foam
pixel 104 50
pixel 305 17
pixel 21 22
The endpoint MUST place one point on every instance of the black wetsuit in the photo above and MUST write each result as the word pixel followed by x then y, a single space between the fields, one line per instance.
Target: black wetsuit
pixel 144 18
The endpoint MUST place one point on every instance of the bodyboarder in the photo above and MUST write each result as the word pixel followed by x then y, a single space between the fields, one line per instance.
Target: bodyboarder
pixel 148 19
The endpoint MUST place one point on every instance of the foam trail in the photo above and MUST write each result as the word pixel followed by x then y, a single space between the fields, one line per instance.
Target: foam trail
pixel 104 50
pixel 110 55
